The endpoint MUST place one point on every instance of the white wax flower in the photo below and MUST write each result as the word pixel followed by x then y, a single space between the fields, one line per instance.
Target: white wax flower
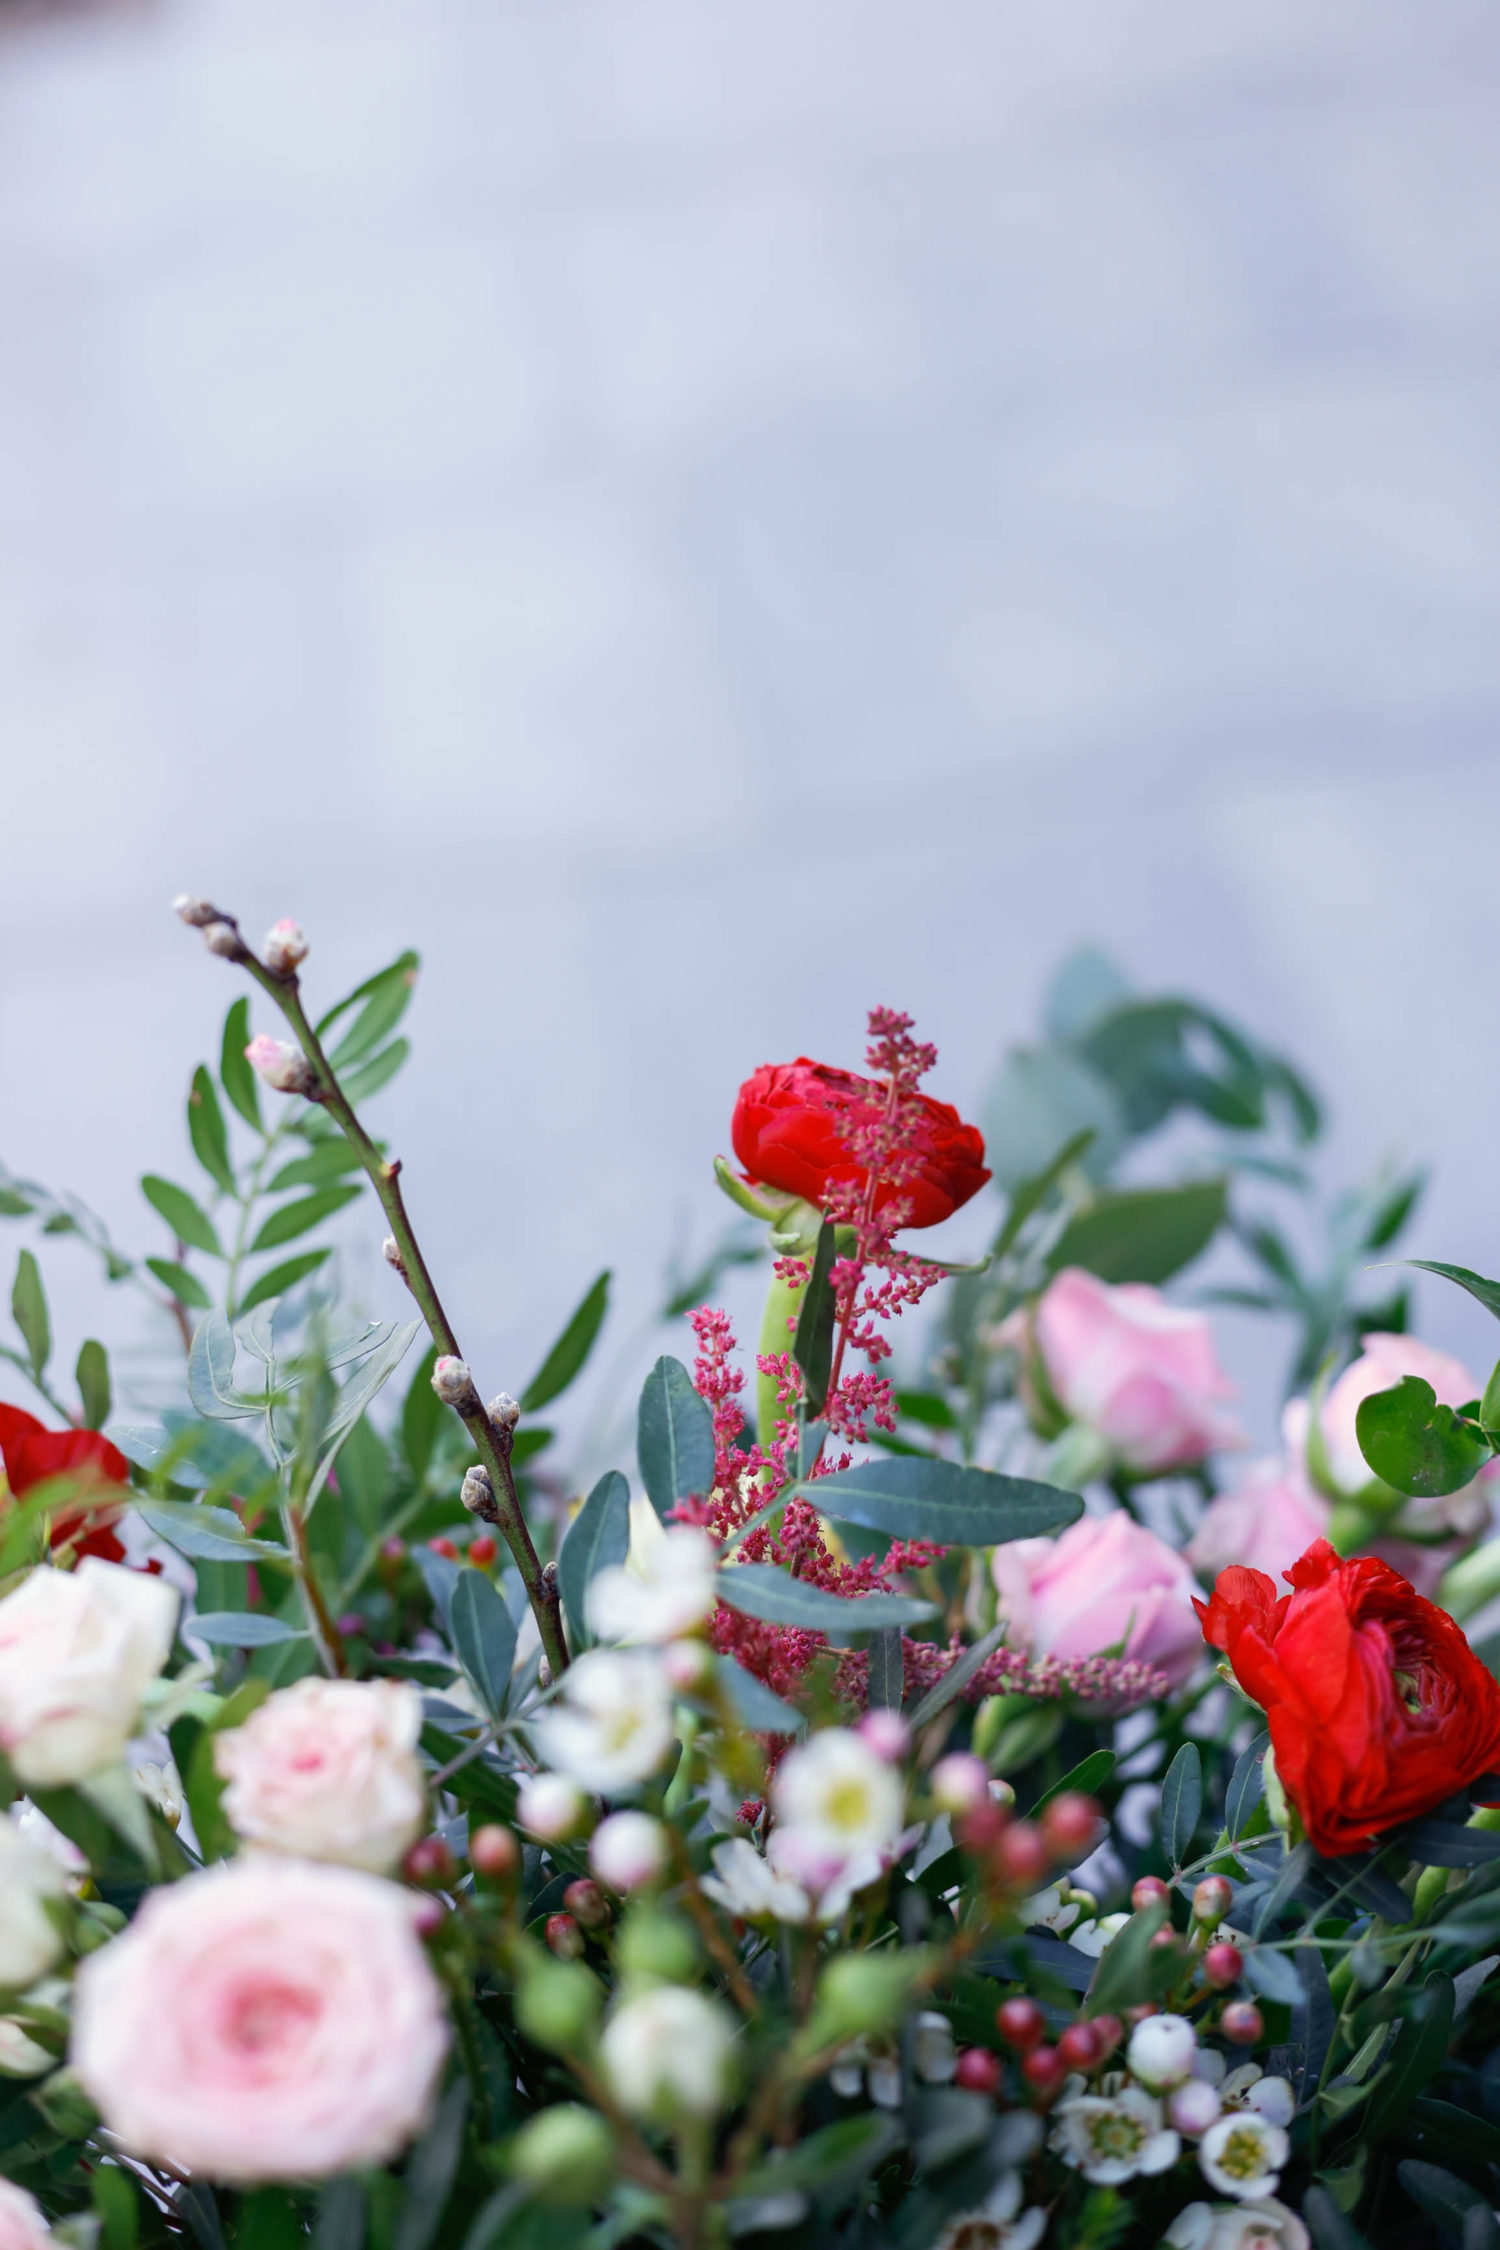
pixel 999 2223
pixel 627 1850
pixel 30 1941
pixel 1262 2225
pixel 667 2054
pixel 835 1800
pixel 1161 2052
pixel 1110 2138
pixel 612 1727
pixel 78 1649
pixel 663 1589
pixel 1243 2154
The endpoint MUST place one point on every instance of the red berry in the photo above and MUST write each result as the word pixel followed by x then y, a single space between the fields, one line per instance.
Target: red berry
pixel 1109 2031
pixel 428 1862
pixel 444 1547
pixel 1149 1891
pixel 1242 2022
pixel 1043 2069
pixel 1222 1964
pixel 1021 2022
pixel 494 1851
pixel 1078 2047
pixel 979 1831
pixel 1021 1856
pixel 1212 1899
pixel 585 1900
pixel 978 2071
pixel 1070 1824
pixel 483 1550
pixel 564 1936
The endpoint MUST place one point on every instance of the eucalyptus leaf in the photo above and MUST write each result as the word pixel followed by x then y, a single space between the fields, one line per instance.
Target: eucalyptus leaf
pixel 597 1539
pixel 1247 1784
pixel 1142 1234
pixel 1274 1977
pixel 568 1355
pixel 210 1373
pixel 240 1628
pixel 1181 1804
pixel 762 1590
pixel 812 1344
pixel 753 1704
pixel 674 1437
pixel 212 1534
pixel 483 1635
pixel 887 1669
pixel 913 1497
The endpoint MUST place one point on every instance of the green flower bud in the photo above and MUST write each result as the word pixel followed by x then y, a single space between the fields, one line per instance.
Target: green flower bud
pixel 564 2154
pixel 863 1993
pixel 558 2003
pixel 656 1947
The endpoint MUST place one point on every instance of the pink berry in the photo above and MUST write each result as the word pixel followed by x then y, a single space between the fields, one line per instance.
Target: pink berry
pixel 1021 1855
pixel 1222 1964
pixel 564 1936
pixel 586 1902
pixel 1242 2022
pixel 1043 2069
pixel 978 2071
pixel 447 1548
pixel 494 1852
pixel 1079 2046
pixel 1212 1900
pixel 483 1550
pixel 1149 1891
pixel 428 1862
pixel 1109 2031
pixel 1070 1824
pixel 1021 2022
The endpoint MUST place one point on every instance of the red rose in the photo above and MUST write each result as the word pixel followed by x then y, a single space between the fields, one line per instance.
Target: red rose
pixel 1377 1706
pixel 32 1453
pixel 787 1135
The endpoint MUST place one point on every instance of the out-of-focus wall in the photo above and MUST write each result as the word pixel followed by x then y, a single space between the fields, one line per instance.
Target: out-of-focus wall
pixel 704 517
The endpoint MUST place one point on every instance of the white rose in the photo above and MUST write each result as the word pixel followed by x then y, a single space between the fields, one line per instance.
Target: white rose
pixel 78 1649
pixel 22 2226
pixel 328 1769
pixel 30 1940
pixel 612 1726
pixel 667 2054
pixel 835 1800
pixel 664 1588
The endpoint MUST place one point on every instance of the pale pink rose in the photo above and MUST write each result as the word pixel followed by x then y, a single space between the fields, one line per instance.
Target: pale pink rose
pixel 1138 1372
pixel 22 2226
pixel 268 2020
pixel 78 1650
pixel 1108 1584
pixel 1271 1519
pixel 1382 1362
pixel 328 1769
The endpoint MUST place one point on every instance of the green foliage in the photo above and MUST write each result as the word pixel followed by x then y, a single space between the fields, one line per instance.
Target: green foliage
pixel 1417 1446
pixel 566 1360
pixel 28 1304
pixel 674 1437
pixel 597 1539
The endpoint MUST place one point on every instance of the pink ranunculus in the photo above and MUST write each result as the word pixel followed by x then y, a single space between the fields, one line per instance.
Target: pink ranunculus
pixel 1138 1372
pixel 1108 1584
pixel 1382 1362
pixel 269 2020
pixel 22 2226
pixel 1265 1524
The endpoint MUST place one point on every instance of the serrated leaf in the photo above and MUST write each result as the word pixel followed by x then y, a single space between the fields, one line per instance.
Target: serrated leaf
pixel 92 1378
pixel 235 1075
pixel 1181 1804
pixel 1416 1445
pixel 674 1437
pixel 179 1283
pixel 28 1302
pixel 597 1539
pixel 925 1498
pixel 293 1219
pixel 764 1591
pixel 277 1280
pixel 188 1222
pixel 812 1344
pixel 240 1628
pixel 483 1637
pixel 568 1354
pixel 207 1131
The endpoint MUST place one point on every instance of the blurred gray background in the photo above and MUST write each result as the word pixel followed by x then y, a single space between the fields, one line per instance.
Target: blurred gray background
pixel 703 517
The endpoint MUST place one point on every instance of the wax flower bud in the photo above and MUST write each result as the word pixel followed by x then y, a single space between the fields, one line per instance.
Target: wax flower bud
pixel 564 1937
pixel 655 1947
pixel 1242 2022
pixel 1020 2022
pixel 887 1733
pixel 960 1783
pixel 628 1850
pixel 1021 1856
pixel 1162 2051
pixel 586 1903
pixel 668 2054
pixel 1222 1964
pixel 550 1807
pixel 689 1666
pixel 565 2154
pixel 1070 1825
pixel 281 1065
pixel 1193 2106
pixel 452 1381
pixel 1149 1891
pixel 494 1853
pixel 860 1993
pixel 557 2002
pixel 1212 1900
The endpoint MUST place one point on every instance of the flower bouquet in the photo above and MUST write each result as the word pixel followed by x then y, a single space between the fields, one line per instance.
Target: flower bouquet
pixel 946 1811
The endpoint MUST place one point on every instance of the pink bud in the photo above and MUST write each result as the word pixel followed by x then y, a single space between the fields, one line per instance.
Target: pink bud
pixel 689 1666
pixel 548 1805
pixel 887 1733
pixel 1242 2022
pixel 1212 1899
pixel 285 948
pixel 960 1783
pixel 223 938
pixel 628 1850
pixel 564 1936
pixel 452 1381
pixel 1193 2107
pixel 280 1064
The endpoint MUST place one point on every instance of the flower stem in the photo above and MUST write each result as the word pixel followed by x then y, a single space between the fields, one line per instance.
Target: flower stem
pixel 327 1639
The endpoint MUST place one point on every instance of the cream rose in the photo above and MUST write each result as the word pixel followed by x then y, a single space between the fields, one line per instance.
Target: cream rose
pixel 22 2226
pixel 78 1649
pixel 269 2020
pixel 30 1940
pixel 328 1769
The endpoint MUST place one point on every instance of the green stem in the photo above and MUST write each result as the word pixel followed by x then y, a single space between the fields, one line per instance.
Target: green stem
pixel 384 1176
pixel 326 1637
pixel 775 1339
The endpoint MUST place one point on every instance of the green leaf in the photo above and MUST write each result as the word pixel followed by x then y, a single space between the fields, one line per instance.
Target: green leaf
pixel 483 1636
pixel 1488 1292
pixel 886 1678
pixel 277 1280
pixel 1142 1234
pixel 13 1206
pixel 1442 2195
pixel 235 1075
pixel 572 1348
pixel 92 1377
pixel 422 1414
pixel 1123 1978
pixel 1418 2055
pixel 842 2152
pixel 1247 1785
pixel 1089 1774
pixel 674 1437
pixel 342 2215
pixel 207 1131
pixel 296 1218
pixel 1415 1445
pixel 430 2169
pixel 762 1590
pixel 182 1214
pixel 911 1498
pixel 1274 1977
pixel 812 1345
pixel 241 1628
pixel 386 995
pixel 377 1072
pixel 28 1301
pixel 114 2195
pixel 179 1283
pixel 1181 1803
pixel 215 1534
pixel 596 1539
pixel 1029 1195
pixel 957 1678
pixel 211 1358
pixel 1327 2224
pixel 329 1161
pixel 753 1704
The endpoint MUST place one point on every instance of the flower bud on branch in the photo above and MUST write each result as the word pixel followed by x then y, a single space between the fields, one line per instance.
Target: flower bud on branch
pixel 504 1413
pixel 281 1065
pixel 454 1384
pixel 390 1250
pixel 478 1494
pixel 225 940
pixel 285 947
pixel 196 912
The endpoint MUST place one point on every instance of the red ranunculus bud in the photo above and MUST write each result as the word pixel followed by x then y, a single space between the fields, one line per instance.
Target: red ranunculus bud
pixel 1070 1825
pixel 788 1129
pixel 1043 2070
pixel 1242 2022
pixel 1222 1964
pixel 32 1454
pixel 1021 2022
pixel 1149 1891
pixel 564 1936
pixel 1377 1706
pixel 1079 2046
pixel 978 2071
pixel 494 1852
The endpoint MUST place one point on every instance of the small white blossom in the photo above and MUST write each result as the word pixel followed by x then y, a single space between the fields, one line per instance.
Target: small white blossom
pixel 883 2080
pixel 999 2223
pixel 280 1064
pixel 550 1806
pixel 934 2055
pixel 612 1727
pixel 664 1588
pixel 1193 2107
pixel 628 1850
pixel 960 1783
pixel 1161 2052
pixel 1266 2225
pixel 30 1941
pixel 1049 1910
pixel 285 948
pixel 1114 2137
pixel 1093 1937
pixel 20 2056
pixel 835 1802
pixel 1243 2154
pixel 769 1885
pixel 667 2054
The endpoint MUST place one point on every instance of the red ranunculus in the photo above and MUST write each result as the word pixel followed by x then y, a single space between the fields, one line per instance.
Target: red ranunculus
pixel 1377 1706
pixel 786 1135
pixel 32 1453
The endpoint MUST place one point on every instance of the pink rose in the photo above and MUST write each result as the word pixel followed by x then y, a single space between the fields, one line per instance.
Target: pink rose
pixel 1266 1524
pixel 1381 1364
pixel 1138 1372
pixel 1106 1584
pixel 268 2020
pixel 22 2226
pixel 328 1769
